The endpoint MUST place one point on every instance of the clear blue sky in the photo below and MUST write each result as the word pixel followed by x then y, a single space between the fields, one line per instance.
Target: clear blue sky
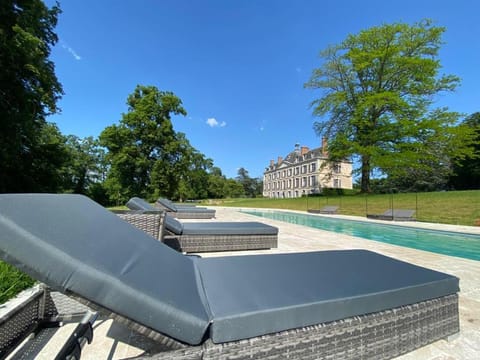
pixel 238 65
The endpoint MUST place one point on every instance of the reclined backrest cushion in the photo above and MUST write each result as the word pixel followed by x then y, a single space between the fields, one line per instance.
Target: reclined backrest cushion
pixel 167 204
pixel 73 244
pixel 173 225
pixel 137 203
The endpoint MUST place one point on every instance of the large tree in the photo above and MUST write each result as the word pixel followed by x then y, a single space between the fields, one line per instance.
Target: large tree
pixel 466 173
pixel 377 97
pixel 144 151
pixel 86 166
pixel 29 91
pixel 251 186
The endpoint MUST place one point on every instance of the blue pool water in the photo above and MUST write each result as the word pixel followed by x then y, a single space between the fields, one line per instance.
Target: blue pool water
pixel 441 242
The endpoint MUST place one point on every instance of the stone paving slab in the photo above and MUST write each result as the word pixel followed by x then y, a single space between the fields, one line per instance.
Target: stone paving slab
pixel 113 341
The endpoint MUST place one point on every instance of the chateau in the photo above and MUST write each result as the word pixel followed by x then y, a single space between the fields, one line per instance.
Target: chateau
pixel 304 172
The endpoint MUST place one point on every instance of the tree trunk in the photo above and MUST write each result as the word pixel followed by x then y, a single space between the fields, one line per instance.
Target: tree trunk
pixel 365 181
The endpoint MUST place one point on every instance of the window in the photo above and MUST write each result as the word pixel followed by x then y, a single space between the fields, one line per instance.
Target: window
pixel 297 182
pixel 289 172
pixel 337 168
pixel 304 169
pixel 313 167
pixel 337 183
pixel 297 170
pixel 313 180
pixel 304 182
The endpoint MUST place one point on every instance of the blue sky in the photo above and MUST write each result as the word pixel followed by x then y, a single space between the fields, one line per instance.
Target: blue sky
pixel 238 66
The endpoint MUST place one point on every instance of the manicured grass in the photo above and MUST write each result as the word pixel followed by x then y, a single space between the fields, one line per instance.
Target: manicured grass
pixel 449 207
pixel 12 281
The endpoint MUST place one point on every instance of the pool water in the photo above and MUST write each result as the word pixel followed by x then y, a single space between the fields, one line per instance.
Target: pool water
pixel 442 242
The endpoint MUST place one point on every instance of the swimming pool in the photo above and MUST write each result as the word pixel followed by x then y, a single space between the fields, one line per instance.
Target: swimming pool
pixel 442 242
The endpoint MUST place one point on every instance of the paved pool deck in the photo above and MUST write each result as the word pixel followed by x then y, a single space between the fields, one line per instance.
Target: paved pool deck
pixel 113 341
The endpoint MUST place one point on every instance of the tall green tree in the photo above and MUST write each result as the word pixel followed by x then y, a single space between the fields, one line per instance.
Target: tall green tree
pixel 187 173
pixel 466 172
pixel 46 168
pixel 143 150
pixel 377 90
pixel 29 91
pixel 251 186
pixel 233 189
pixel 216 183
pixel 86 166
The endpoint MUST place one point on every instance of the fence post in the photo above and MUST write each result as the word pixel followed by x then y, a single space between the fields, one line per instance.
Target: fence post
pixel 366 204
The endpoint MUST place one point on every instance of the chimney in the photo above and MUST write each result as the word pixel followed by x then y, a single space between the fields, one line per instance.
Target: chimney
pixel 279 160
pixel 304 150
pixel 272 163
pixel 324 146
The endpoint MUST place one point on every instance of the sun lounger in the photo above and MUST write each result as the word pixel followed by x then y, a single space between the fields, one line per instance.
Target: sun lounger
pixel 396 215
pixel 37 311
pixel 332 304
pixel 328 209
pixel 200 236
pixel 184 211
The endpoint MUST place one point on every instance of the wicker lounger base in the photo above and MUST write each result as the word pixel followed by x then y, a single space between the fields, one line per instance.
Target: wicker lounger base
pixel 208 243
pixel 381 335
pixel 152 224
pixel 35 306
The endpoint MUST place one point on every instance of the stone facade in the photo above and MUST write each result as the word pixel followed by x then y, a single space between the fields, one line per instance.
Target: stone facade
pixel 305 172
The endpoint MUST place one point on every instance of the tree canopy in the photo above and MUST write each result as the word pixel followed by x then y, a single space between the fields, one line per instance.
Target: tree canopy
pixel 143 149
pixel 251 186
pixel 466 174
pixel 29 91
pixel 377 94
pixel 146 157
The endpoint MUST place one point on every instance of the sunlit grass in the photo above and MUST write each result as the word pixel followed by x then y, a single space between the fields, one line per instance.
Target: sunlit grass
pixel 12 281
pixel 449 207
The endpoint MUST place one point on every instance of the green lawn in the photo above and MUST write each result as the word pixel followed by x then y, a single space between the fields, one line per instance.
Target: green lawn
pixel 449 207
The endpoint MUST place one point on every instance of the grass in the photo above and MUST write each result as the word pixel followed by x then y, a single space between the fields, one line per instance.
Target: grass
pixel 449 207
pixel 12 281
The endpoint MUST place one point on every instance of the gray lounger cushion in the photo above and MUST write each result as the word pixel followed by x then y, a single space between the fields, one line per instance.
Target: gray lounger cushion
pixel 73 244
pixel 226 228
pixel 173 225
pixel 167 204
pixel 170 206
pixel 259 294
pixel 136 203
